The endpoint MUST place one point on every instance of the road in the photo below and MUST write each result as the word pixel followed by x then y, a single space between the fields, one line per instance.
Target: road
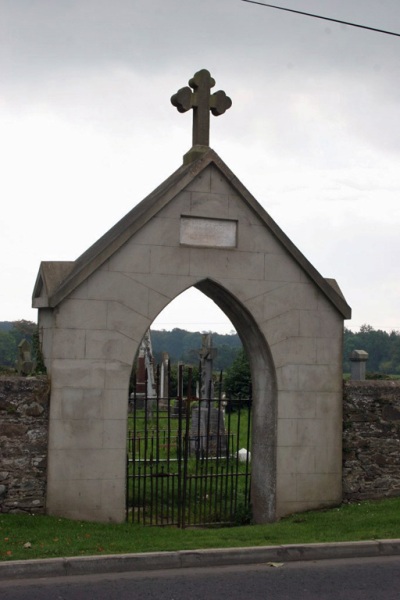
pixel 356 579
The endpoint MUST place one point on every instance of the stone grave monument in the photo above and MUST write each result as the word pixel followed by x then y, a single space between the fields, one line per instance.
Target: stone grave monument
pixel 207 428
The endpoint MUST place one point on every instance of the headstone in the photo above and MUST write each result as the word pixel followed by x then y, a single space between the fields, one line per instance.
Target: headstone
pixel 207 355
pixel 145 377
pixel 244 455
pixel 164 377
pixel 207 430
pixel 25 365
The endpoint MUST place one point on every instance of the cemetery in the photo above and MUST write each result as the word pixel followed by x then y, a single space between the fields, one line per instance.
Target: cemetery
pixel 188 457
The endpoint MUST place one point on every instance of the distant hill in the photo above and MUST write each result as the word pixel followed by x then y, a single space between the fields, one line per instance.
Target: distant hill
pixel 6 325
pixel 184 346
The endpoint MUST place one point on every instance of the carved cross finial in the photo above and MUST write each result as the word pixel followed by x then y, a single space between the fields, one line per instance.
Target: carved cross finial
pixel 202 102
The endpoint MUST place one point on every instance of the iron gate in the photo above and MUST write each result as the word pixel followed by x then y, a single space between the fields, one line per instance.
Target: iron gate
pixel 188 460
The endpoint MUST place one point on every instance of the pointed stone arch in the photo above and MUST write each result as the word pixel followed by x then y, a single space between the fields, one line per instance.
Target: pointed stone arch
pixel 263 452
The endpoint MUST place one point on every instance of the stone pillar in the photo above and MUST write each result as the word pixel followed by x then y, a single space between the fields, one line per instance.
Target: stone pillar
pixel 358 359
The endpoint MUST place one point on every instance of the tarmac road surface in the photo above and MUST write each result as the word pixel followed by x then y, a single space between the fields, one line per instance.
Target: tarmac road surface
pixel 341 579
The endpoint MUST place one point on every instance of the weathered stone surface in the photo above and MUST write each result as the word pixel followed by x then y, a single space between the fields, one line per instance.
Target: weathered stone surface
pixel 371 439
pixel 33 410
pixel 12 430
pixel 24 412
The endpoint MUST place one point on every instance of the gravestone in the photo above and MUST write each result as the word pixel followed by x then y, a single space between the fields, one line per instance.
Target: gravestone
pixel 164 378
pixel 207 426
pixel 145 389
pixel 25 365
pixel 207 354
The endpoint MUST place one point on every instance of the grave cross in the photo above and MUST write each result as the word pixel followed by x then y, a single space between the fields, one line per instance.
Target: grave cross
pixel 202 102
pixel 207 355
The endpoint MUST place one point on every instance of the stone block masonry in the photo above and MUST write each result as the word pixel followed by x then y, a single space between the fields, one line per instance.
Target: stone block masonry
pixel 24 417
pixel 371 439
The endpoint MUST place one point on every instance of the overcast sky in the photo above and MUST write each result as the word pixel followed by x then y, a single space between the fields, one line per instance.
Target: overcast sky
pixel 87 131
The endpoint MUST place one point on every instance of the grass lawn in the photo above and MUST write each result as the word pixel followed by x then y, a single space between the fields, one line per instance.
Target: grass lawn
pixel 26 536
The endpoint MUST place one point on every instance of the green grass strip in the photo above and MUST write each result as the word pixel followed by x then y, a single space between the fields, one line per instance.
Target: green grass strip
pixel 26 536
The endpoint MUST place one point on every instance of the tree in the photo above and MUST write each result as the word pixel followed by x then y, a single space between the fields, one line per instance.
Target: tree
pixel 8 349
pixel 238 377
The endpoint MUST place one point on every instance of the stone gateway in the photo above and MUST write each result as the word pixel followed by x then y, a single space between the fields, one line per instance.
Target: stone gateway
pixel 200 228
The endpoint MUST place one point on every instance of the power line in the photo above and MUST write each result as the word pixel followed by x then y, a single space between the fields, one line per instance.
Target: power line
pixel 300 12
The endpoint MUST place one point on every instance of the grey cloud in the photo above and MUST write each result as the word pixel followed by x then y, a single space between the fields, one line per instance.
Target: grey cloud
pixel 151 35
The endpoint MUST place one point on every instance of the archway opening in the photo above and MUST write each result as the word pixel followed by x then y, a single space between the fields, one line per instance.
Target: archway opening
pixel 234 318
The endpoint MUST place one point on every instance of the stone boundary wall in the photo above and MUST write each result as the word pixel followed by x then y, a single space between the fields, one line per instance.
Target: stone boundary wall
pixel 371 439
pixel 24 420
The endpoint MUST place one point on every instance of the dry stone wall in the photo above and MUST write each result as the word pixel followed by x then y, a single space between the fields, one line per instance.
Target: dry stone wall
pixel 371 439
pixel 24 415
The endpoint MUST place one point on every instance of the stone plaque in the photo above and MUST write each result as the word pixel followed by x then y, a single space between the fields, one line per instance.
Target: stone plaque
pixel 216 233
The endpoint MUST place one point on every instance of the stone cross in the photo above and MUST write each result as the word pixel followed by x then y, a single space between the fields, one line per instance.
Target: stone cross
pixel 25 365
pixel 202 102
pixel 207 355
pixel 207 431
